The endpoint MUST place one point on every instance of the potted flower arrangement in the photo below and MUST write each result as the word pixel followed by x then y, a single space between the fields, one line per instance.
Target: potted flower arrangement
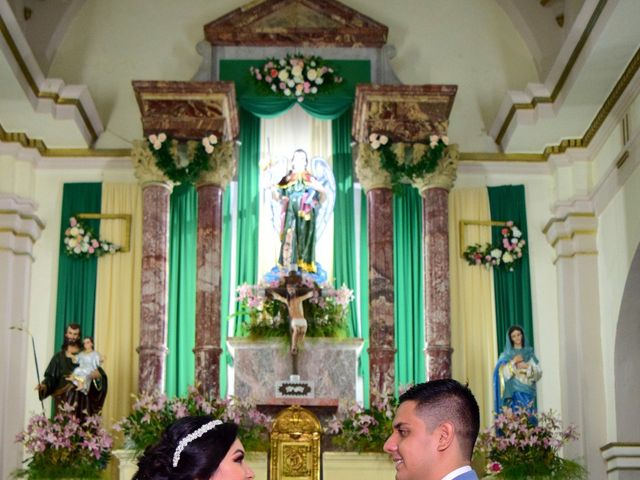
pixel 326 311
pixel 64 446
pixel 153 413
pixel 359 429
pixel 524 445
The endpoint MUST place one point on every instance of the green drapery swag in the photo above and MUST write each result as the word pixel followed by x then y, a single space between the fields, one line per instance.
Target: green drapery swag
pixel 323 106
pixel 408 285
pixel 76 295
pixel 183 236
pixel 512 290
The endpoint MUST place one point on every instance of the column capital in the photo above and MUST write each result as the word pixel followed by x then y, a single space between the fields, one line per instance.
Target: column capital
pixel 445 173
pixel 369 169
pixel 145 168
pixel 223 166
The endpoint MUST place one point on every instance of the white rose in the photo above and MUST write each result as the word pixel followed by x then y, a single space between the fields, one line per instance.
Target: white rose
pixel 208 149
pixel 433 139
pixel 290 83
pixel 282 62
pixel 515 231
pixel 74 231
pixel 312 73
pixel 213 139
pixel 319 81
pixel 375 144
pixel 507 257
pixel 496 253
pixel 314 90
pixel 373 137
pixel 287 92
pixel 157 146
pixel 445 140
pixel 296 71
pixel 162 137
pixel 384 139
pixel 153 138
pixel 273 87
pixel 283 75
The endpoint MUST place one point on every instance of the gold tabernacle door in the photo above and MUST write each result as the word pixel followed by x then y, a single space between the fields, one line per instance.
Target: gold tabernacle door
pixel 295 445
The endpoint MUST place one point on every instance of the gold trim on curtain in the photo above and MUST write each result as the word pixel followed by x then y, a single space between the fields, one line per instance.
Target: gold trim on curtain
pixel 118 300
pixel 473 325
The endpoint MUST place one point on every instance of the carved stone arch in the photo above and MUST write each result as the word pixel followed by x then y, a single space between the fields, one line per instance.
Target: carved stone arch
pixel 627 357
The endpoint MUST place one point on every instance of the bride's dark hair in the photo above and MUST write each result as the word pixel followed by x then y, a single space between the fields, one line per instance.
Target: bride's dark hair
pixel 199 459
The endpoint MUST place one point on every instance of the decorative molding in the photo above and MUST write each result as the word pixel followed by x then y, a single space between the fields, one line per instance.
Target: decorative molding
pixel 561 80
pixel 621 456
pixel 613 97
pixel 445 174
pixel 572 235
pixel 145 167
pixel 223 168
pixel 369 169
pixel 56 98
pixel 18 252
pixel 294 23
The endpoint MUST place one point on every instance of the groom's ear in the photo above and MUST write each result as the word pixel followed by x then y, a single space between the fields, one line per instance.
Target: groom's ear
pixel 446 435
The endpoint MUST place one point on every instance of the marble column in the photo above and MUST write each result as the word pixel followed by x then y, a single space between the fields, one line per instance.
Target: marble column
pixel 377 183
pixel 434 189
pixel 156 192
pixel 209 274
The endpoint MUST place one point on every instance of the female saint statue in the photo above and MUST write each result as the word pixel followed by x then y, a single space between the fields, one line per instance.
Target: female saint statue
pixel 516 373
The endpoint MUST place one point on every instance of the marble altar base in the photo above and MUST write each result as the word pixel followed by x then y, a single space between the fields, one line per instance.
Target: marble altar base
pixel 330 363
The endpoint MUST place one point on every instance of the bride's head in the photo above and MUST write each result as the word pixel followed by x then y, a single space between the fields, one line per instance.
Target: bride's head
pixel 196 448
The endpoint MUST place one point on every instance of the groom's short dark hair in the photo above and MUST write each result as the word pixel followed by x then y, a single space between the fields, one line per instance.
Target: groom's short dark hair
pixel 438 401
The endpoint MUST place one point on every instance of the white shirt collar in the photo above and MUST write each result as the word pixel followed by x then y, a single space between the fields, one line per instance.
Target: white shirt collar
pixel 456 472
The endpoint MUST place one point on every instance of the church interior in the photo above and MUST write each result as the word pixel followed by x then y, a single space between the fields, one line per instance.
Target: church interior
pixel 521 118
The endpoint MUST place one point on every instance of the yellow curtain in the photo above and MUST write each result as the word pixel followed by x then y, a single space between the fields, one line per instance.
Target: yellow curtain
pixel 473 326
pixel 118 299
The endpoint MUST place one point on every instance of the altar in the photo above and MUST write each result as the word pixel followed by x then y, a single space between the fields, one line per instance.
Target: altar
pixel 329 365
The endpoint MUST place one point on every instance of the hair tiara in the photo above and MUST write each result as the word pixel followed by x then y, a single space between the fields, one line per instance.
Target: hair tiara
pixel 191 437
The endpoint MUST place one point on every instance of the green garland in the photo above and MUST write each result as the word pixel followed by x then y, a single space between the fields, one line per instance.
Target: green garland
pixel 161 147
pixel 427 163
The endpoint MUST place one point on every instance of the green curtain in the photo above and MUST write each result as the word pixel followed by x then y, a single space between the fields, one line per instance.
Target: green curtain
pixel 248 206
pixel 344 234
pixel 225 289
pixel 512 290
pixel 324 107
pixel 181 329
pixel 408 286
pixel 76 295
pixel 364 298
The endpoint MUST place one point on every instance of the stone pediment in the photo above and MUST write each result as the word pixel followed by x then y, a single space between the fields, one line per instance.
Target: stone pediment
pixel 315 23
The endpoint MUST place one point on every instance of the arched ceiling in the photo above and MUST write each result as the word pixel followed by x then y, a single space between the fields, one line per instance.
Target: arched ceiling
pixel 500 53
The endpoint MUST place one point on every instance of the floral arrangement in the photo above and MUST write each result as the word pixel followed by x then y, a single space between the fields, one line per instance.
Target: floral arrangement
pixel 326 311
pixel 427 163
pixel 153 413
pixel 524 445
pixel 65 446
pixel 195 158
pixel 295 76
pixel 355 428
pixel 80 242
pixel 504 255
